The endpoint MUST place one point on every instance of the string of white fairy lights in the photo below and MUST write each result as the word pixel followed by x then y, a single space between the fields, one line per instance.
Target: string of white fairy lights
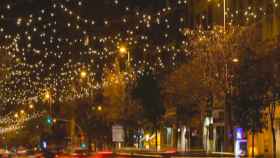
pixel 16 121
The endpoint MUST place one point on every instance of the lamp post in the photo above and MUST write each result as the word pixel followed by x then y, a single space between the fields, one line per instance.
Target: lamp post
pixel 22 112
pixel 224 12
pixel 31 106
pixel 83 74
pixel 81 78
pixel 48 99
pixel 234 61
pixel 228 108
pixel 225 15
pixel 16 115
pixel 123 50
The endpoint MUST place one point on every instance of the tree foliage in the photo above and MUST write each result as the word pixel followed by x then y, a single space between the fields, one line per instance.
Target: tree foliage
pixel 147 91
pixel 249 99
pixel 184 91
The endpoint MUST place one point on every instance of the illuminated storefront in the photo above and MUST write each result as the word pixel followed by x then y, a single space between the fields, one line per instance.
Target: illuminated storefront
pixel 263 145
pixel 240 144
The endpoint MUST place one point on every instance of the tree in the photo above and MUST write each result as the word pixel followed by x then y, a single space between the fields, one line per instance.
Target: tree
pixel 250 87
pixel 89 113
pixel 273 93
pixel 147 91
pixel 120 108
pixel 265 77
pixel 21 137
pixel 5 63
pixel 213 52
pixel 184 91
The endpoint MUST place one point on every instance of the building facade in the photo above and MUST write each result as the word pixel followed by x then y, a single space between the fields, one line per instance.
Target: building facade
pixel 263 141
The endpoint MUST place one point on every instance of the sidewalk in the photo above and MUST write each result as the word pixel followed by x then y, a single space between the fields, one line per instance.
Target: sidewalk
pixel 172 154
pixel 145 153
pixel 202 154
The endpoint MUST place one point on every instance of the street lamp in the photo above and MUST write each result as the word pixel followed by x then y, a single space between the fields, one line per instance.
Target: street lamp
pixel 54 120
pixel 22 112
pixel 48 99
pixel 123 51
pixel 16 115
pixel 224 15
pixel 224 12
pixel 31 106
pixel 47 95
pixel 99 108
pixel 228 106
pixel 235 60
pixel 83 74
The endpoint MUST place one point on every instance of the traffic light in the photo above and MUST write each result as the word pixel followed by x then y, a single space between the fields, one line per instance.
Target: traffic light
pixel 49 120
pixel 83 145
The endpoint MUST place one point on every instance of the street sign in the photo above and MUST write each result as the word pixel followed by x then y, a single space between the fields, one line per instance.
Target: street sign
pixel 117 133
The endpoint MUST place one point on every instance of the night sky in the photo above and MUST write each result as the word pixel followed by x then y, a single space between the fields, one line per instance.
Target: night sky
pixel 93 7
pixel 50 41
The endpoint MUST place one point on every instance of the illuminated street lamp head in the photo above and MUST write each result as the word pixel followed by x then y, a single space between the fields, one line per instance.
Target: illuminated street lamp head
pixel 16 115
pixel 54 120
pixel 22 111
pixel 122 49
pixel 235 60
pixel 99 108
pixel 83 74
pixel 47 95
pixel 31 106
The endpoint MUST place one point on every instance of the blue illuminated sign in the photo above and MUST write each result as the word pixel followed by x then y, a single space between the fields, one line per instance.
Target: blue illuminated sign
pixel 239 133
